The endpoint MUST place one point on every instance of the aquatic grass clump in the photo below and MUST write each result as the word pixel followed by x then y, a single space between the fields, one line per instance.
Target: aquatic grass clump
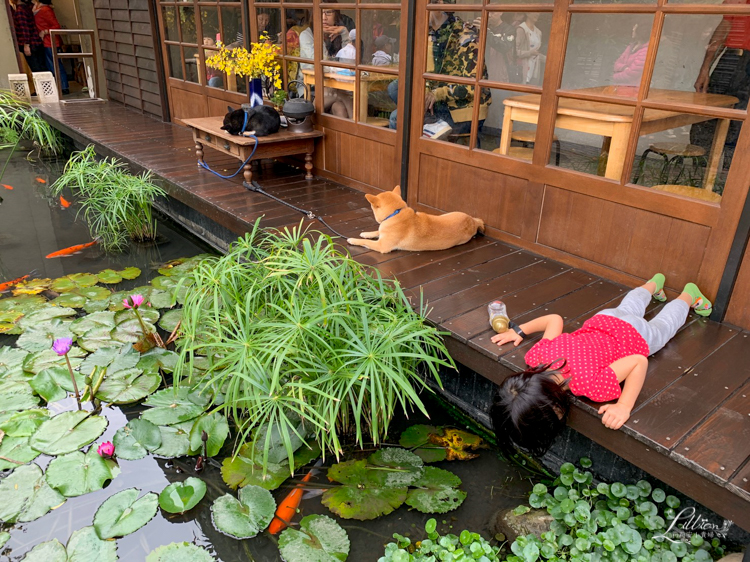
pixel 115 204
pixel 303 340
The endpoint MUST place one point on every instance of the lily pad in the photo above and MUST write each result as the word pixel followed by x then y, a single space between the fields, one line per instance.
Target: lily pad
pixel 72 282
pixel 128 386
pixel 436 492
pixel 11 359
pixel 162 299
pixel 129 273
pixel 170 406
pixel 124 513
pixel 458 444
pixel 37 362
pixel 240 471
pixel 217 428
pixel 407 467
pixel 104 319
pixel 175 440
pixel 17 449
pixel 54 383
pixel 180 552
pixel 116 357
pixel 49 551
pixel 26 496
pixel 137 439
pixel 168 322
pixel 246 517
pixel 180 497
pixel 44 314
pixel 23 303
pixel 24 424
pixel 39 337
pixel 158 358
pixel 164 283
pixel 364 494
pixel 85 546
pixel 4 538
pixel 76 474
pixel 417 438
pixel 17 396
pixel 109 277
pixel 319 539
pixel 67 432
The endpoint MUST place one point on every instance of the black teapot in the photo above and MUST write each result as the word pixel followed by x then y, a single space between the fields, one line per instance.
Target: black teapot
pixel 297 110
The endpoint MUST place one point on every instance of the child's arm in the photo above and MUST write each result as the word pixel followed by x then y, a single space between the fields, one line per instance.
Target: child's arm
pixel 632 370
pixel 551 325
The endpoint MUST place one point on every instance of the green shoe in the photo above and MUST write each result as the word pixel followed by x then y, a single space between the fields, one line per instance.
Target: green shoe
pixel 659 294
pixel 701 304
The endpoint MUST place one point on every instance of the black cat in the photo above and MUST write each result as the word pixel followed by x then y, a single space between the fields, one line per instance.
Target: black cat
pixel 261 121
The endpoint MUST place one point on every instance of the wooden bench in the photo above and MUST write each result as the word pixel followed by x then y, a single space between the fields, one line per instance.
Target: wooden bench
pixel 207 132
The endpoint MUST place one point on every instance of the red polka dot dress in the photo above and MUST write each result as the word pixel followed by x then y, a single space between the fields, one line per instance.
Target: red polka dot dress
pixel 590 351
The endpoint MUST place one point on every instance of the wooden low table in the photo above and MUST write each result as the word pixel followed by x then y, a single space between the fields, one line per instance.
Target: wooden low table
pixel 207 132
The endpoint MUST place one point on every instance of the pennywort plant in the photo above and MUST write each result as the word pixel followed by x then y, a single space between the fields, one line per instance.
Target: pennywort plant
pixel 115 204
pixel 304 341
pixel 624 523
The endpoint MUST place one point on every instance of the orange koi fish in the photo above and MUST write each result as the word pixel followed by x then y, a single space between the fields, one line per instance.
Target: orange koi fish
pixel 41 180
pixel 64 202
pixel 6 186
pixel 288 507
pixel 72 250
pixel 8 284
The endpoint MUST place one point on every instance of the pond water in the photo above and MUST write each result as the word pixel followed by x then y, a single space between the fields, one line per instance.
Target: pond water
pixel 31 226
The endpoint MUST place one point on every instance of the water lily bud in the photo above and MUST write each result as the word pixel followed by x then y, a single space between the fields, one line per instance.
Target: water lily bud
pixel 61 346
pixel 106 450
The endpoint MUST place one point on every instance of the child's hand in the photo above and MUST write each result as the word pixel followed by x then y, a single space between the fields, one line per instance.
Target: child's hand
pixel 614 415
pixel 507 337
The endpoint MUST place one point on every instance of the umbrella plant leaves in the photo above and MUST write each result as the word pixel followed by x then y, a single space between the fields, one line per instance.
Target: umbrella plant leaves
pixel 364 494
pixel 169 320
pixel 137 439
pixel 128 386
pixel 124 513
pixel 175 440
pixel 436 492
pixel 417 438
pixel 319 539
pixel 50 551
pixel 76 474
pixel 67 432
pixel 85 546
pixel 407 466
pixel 180 552
pixel 170 406
pixel 217 428
pixel 245 517
pixel 180 497
pixel 26 496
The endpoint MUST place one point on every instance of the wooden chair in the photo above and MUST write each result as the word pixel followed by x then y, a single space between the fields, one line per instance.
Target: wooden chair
pixel 673 153
pixel 528 137
pixel 689 191
pixel 519 152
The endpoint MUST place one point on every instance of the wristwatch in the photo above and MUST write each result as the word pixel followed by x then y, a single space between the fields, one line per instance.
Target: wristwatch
pixel 517 329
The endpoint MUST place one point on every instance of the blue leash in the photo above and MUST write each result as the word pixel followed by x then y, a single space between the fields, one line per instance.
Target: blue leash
pixel 206 166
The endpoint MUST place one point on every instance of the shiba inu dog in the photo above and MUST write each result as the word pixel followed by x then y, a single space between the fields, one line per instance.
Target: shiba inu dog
pixel 402 228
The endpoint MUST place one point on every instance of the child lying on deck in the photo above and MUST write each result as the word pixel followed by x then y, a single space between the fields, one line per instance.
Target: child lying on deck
pixel 610 348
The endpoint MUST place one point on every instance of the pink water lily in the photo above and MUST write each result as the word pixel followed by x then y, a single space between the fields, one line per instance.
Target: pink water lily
pixel 106 450
pixel 133 301
pixel 61 346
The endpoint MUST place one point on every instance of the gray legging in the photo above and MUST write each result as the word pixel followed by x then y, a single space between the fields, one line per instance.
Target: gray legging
pixel 658 331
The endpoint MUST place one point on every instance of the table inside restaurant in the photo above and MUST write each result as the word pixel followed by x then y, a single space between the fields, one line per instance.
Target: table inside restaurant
pixel 613 121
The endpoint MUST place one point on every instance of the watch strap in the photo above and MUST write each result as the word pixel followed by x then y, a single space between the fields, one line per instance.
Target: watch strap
pixel 517 329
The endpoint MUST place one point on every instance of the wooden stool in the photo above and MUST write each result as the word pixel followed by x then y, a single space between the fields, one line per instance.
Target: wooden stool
pixel 519 152
pixel 673 153
pixel 528 136
pixel 692 192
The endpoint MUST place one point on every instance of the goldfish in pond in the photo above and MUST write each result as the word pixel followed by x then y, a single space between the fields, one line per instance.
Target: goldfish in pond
pixel 40 180
pixel 288 507
pixel 64 202
pixel 6 186
pixel 72 250
pixel 8 284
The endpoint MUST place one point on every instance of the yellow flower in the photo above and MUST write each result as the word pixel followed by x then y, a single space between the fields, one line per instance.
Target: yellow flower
pixel 261 60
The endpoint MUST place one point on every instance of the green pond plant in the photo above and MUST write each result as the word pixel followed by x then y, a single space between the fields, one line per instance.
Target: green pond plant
pixel 115 204
pixel 627 523
pixel 304 341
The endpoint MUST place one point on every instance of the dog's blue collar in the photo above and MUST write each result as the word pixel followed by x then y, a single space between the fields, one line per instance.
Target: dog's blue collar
pixel 393 214
pixel 244 125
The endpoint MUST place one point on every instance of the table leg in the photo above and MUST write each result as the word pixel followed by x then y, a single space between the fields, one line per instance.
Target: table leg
pixel 601 166
pixel 617 151
pixel 308 166
pixel 247 173
pixel 714 157
pixel 199 153
pixel 507 130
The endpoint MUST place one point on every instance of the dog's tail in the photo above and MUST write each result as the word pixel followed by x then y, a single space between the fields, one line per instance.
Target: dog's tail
pixel 480 226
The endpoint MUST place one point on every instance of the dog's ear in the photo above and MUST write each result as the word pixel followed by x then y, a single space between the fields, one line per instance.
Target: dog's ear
pixel 397 190
pixel 229 109
pixel 372 199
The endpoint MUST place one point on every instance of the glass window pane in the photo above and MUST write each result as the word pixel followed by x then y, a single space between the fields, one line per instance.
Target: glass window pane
pixel 210 23
pixel 170 23
pixel 339 35
pixel 520 138
pixel 214 77
pixel 339 102
pixel 606 53
pixel 299 34
pixel 175 61
pixel 380 46
pixel 450 107
pixel 517 46
pixel 378 97
pixel 685 153
pixel 232 28
pixel 187 23
pixel 522 2
pixel 703 54
pixel 192 66
pixel 453 43
pixel 590 137
pixel 269 22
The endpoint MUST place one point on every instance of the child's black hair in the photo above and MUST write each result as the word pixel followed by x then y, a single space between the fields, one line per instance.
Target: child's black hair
pixel 529 409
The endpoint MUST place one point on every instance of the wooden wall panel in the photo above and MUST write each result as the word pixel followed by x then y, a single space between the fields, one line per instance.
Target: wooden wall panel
pixel 498 199
pixel 188 105
pixel 367 162
pixel 127 45
pixel 630 240
pixel 738 312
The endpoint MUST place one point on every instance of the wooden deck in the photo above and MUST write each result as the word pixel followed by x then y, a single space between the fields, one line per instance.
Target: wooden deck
pixel 691 425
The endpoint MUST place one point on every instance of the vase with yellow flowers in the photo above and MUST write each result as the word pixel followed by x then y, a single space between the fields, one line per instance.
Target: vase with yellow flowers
pixel 260 61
